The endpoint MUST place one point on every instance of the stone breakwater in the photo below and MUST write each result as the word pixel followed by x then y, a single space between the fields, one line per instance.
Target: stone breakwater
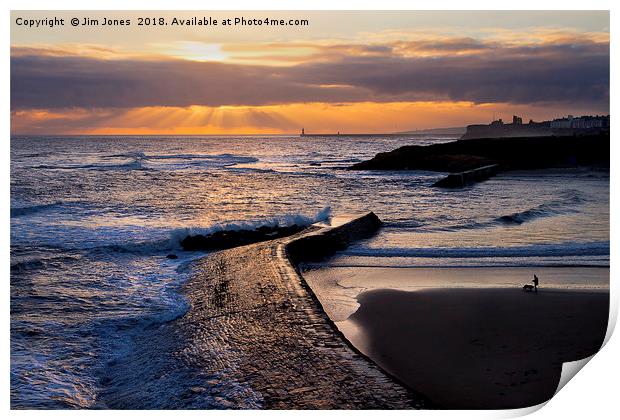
pixel 254 320
pixel 463 179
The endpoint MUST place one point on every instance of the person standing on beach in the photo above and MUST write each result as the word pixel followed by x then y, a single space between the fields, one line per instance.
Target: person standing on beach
pixel 535 281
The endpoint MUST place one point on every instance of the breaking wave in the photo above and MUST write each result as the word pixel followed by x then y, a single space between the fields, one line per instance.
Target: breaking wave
pixel 566 249
pixel 134 165
pixel 568 204
pixel 42 263
pixel 27 210
pixel 168 239
pixel 141 161
pixel 284 220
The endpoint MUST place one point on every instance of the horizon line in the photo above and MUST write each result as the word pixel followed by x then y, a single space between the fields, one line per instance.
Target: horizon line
pixel 229 134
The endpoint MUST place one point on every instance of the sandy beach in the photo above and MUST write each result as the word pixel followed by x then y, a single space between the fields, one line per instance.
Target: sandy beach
pixel 453 348
pixel 479 348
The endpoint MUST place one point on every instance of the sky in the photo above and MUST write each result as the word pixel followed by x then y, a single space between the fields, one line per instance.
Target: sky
pixel 348 72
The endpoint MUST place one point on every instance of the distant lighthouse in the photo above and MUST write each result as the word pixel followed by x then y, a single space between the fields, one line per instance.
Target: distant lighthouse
pixel 303 132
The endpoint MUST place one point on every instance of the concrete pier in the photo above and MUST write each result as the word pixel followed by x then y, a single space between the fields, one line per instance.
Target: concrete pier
pixel 254 317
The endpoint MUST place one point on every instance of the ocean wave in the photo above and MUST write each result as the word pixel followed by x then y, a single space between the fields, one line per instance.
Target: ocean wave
pixel 130 155
pixel 284 220
pixel 333 162
pixel 222 156
pixel 568 203
pixel 27 210
pixel 468 263
pixel 141 161
pixel 188 160
pixel 403 224
pixel 566 249
pixel 252 170
pixel 170 240
pixel 134 165
pixel 42 263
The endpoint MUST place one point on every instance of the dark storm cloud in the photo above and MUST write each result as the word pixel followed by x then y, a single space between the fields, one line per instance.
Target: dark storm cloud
pixel 60 82
pixel 554 73
pixel 562 72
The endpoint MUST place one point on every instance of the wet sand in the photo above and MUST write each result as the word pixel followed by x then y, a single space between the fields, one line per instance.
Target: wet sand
pixel 479 348
pixel 255 323
pixel 337 287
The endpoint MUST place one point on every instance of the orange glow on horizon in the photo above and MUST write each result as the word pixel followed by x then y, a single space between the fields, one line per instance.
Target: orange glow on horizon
pixel 319 118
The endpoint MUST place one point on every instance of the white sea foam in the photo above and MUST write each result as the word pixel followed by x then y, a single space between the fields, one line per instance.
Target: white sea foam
pixel 565 249
pixel 291 219
pixel 27 210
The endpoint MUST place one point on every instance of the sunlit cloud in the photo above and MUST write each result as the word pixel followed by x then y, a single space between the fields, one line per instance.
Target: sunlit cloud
pixel 279 54
pixel 394 43
pixel 192 50
pixel 361 81
pixel 567 72
pixel 536 36
pixel 101 52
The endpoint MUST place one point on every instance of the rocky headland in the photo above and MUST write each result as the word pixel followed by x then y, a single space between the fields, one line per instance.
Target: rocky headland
pixel 509 153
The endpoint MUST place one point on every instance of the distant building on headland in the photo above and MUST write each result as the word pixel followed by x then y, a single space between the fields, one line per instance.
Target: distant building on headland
pixel 567 126
pixel 585 122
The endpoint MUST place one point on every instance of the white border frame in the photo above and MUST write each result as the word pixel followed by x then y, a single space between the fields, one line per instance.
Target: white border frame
pixel 592 394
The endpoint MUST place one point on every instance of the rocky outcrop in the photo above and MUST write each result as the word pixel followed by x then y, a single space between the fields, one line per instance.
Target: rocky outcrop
pixel 463 179
pixel 509 153
pixel 317 245
pixel 225 239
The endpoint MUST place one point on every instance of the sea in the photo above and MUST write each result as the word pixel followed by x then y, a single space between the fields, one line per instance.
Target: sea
pixel 94 219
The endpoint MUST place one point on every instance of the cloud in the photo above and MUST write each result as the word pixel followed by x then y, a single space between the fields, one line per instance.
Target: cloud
pixel 562 70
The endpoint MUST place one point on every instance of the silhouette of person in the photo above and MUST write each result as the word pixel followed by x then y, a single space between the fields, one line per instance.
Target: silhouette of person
pixel 535 283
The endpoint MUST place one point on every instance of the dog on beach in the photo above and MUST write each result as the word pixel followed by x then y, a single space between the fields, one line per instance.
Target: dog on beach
pixel 530 288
